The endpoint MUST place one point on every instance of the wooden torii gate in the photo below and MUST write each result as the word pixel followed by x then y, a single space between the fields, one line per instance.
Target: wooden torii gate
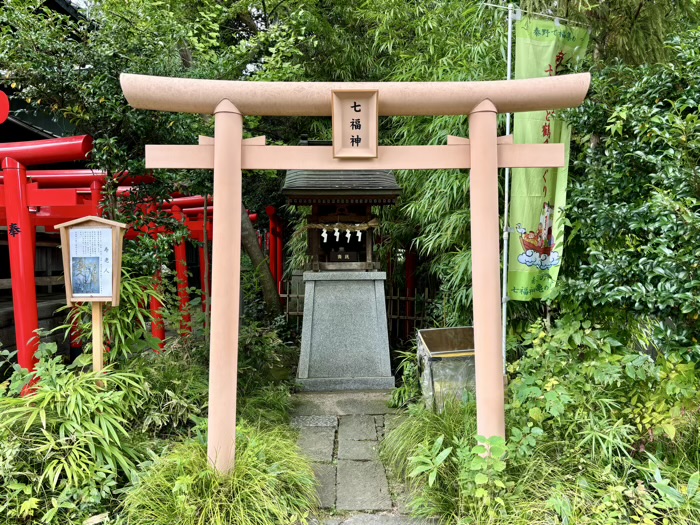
pixel 228 153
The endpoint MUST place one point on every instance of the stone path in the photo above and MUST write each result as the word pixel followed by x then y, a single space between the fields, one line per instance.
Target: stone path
pixel 340 433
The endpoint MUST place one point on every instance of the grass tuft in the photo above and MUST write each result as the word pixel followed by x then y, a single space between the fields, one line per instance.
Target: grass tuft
pixel 270 484
pixel 423 426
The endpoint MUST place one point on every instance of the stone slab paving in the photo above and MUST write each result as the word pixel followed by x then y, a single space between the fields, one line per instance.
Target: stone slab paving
pixel 314 421
pixel 358 450
pixel 357 428
pixel 340 432
pixel 362 485
pixel 317 443
pixel 326 477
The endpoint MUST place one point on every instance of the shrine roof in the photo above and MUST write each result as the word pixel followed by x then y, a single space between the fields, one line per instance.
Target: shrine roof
pixel 359 186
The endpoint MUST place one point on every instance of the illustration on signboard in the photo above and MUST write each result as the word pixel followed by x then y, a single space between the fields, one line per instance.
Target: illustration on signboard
pixel 538 246
pixel 85 275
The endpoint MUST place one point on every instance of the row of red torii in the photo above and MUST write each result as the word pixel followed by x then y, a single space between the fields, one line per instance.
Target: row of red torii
pixel 33 198
pixel 228 154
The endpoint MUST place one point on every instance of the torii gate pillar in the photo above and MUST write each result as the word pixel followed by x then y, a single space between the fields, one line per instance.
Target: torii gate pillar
pixel 21 241
pixel 483 196
pixel 226 285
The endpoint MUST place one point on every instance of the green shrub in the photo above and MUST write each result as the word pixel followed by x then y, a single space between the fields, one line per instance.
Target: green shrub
pixel 66 447
pixel 598 433
pixel 578 384
pixel 176 390
pixel 634 198
pixel 270 484
pixel 410 389
pixel 262 356
pixel 125 326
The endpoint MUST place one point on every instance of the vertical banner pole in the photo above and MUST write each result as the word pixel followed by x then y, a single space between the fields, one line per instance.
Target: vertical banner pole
pixel 97 337
pixel 506 204
pixel 225 290
pixel 483 193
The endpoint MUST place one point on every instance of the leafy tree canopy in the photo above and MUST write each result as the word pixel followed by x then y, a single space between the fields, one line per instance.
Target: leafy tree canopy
pixel 72 67
pixel 634 202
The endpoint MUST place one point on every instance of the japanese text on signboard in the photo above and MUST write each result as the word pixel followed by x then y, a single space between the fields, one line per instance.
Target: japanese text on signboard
pixel 91 262
pixel 354 124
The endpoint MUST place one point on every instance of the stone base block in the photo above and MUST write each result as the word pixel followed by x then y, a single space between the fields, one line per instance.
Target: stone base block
pixel 344 340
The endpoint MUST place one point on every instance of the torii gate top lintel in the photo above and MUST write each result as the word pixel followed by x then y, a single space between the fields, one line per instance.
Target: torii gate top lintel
pixel 313 99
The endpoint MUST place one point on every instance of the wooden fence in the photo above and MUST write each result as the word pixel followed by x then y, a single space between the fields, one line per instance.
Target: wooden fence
pixel 292 297
pixel 406 312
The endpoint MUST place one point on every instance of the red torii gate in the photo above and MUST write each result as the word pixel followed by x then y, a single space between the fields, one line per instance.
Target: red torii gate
pixel 179 209
pixel 276 246
pixel 42 198
pixel 47 197
pixel 189 211
pixel 18 196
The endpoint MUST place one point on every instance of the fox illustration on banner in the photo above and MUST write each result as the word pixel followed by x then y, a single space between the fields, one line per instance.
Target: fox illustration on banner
pixel 538 196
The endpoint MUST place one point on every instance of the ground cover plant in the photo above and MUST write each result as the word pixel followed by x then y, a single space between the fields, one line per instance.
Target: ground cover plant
pixel 75 447
pixel 598 433
pixel 271 484
pixel 68 447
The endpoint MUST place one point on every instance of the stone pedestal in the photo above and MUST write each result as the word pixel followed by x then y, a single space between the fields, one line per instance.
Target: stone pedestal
pixel 344 339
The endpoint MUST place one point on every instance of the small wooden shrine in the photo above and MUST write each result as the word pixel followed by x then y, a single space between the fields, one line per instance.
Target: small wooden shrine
pixel 341 224
pixel 344 342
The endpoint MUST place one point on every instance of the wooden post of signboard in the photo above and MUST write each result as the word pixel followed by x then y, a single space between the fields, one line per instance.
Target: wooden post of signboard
pixel 97 337
pixel 92 264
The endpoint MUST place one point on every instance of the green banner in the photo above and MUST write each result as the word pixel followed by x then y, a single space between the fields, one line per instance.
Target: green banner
pixel 538 196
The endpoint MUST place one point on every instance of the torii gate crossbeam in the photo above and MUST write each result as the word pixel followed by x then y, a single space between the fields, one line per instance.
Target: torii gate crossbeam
pixel 228 101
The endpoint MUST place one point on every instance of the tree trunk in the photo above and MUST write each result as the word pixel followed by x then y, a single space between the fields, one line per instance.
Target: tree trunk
pixel 250 245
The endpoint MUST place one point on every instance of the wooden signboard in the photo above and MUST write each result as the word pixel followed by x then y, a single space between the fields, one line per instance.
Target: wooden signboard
pixel 355 124
pixel 92 264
